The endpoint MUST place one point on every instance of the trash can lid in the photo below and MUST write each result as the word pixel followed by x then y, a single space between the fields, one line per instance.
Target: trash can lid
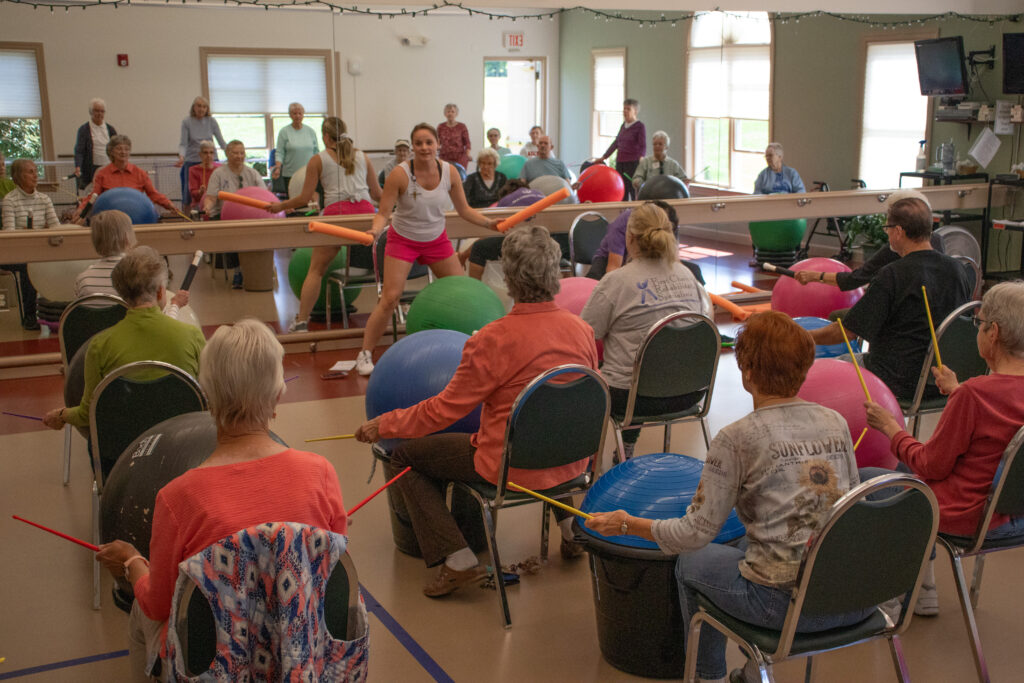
pixel 654 486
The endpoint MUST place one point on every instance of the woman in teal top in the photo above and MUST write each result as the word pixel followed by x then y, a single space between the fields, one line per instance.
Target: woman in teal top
pixel 296 145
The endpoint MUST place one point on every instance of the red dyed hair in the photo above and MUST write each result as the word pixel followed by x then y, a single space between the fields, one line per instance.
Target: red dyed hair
pixel 775 352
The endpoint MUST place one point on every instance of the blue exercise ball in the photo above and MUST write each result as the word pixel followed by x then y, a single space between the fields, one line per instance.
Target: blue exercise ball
pixel 655 486
pixel 524 196
pixel 133 202
pixel 832 350
pixel 663 187
pixel 462 171
pixel 416 368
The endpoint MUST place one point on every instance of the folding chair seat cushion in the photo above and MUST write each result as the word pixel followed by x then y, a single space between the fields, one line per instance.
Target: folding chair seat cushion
pixel 640 419
pixel 490 491
pixel 967 542
pixel 928 405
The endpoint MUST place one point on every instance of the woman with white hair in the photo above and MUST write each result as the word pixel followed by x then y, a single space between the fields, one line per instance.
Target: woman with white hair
pixel 120 172
pixel 776 178
pixel 241 372
pixel 91 143
pixel 197 126
pixel 296 145
pixel 658 163
pixel 482 186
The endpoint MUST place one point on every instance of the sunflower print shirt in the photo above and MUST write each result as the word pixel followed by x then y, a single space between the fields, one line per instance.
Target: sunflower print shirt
pixel 782 467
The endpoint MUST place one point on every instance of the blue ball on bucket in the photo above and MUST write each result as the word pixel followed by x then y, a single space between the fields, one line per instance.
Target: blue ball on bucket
pixel 133 202
pixel 655 486
pixel 416 368
pixel 831 350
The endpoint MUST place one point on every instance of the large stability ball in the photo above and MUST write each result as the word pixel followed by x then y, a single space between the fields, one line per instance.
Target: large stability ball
pixel 573 293
pixel 550 184
pixel 778 235
pixel 524 196
pixel 418 367
pixel 655 486
pixel 663 187
pixel 296 182
pixel 232 211
pixel 815 299
pixel 829 350
pixel 298 267
pixel 600 183
pixel 833 383
pixel 458 303
pixel 133 202
pixel 55 280
pixel 511 165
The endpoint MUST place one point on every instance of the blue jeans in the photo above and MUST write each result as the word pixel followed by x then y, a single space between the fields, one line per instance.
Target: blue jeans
pixel 714 572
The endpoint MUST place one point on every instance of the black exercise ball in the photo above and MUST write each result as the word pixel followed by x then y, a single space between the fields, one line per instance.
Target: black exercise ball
pixel 663 187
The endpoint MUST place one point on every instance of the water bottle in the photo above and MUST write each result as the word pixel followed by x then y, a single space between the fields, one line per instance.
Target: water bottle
pixel 922 159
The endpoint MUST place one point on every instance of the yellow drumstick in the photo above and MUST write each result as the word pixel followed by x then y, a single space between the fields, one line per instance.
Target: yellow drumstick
pixel 931 327
pixel 856 365
pixel 859 438
pixel 332 438
pixel 567 508
pixel 183 216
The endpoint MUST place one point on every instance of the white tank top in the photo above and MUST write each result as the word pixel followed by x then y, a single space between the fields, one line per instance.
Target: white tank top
pixel 419 213
pixel 340 186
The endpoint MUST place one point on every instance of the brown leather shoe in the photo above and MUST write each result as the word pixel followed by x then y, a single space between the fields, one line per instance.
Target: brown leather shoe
pixel 449 580
pixel 570 550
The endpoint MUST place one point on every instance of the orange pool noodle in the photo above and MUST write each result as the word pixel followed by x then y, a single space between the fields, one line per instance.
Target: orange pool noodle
pixel 533 209
pixel 345 233
pixel 242 199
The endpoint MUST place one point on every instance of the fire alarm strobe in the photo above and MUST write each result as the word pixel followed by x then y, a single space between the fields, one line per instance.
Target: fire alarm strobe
pixel 122 60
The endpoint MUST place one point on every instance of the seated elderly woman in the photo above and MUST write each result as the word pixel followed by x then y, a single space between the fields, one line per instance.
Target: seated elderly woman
pixel 497 363
pixel 121 173
pixel 24 207
pixel 777 178
pixel 199 175
pixel 621 309
pixel 982 415
pixel 112 235
pixel 145 333
pixel 658 163
pixel 482 187
pixel 781 501
pixel 241 372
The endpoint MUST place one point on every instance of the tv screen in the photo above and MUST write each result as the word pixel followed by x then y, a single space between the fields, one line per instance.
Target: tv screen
pixel 1013 63
pixel 940 66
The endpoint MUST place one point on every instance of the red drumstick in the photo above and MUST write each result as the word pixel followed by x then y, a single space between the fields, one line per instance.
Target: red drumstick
pixel 370 497
pixel 90 546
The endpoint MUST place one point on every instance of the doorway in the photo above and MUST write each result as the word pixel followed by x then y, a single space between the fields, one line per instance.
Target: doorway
pixel 513 99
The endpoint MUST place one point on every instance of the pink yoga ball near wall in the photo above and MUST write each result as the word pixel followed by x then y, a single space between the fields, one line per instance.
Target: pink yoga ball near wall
pixel 814 299
pixel 230 211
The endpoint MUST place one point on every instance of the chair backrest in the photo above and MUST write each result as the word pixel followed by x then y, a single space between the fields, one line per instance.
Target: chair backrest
pixel 842 569
pixel 130 400
pixel 957 241
pixel 973 273
pixel 558 418
pixel 1006 496
pixel 678 356
pixel 958 348
pixel 85 317
pixel 585 235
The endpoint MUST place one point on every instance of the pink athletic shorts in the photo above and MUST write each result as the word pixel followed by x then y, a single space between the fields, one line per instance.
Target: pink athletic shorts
pixel 411 251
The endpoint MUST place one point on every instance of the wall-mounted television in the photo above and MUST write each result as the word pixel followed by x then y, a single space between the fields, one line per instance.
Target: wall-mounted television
pixel 1013 63
pixel 941 67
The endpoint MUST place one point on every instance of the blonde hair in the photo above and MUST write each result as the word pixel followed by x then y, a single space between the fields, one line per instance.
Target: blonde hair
pixel 112 233
pixel 650 227
pixel 335 129
pixel 241 372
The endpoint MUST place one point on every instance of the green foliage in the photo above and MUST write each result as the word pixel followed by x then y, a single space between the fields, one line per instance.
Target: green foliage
pixel 868 228
pixel 495 69
pixel 20 138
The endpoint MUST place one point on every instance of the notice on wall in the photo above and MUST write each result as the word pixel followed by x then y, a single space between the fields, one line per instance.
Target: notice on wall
pixel 1002 124
pixel 984 148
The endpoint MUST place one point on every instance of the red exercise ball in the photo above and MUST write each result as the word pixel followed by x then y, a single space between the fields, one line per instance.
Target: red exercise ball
pixel 231 211
pixel 833 383
pixel 814 299
pixel 600 183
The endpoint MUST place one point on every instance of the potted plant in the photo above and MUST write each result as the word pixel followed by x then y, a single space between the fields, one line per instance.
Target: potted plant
pixel 867 233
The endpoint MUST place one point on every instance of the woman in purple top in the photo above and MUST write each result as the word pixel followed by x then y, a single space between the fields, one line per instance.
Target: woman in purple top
pixel 631 142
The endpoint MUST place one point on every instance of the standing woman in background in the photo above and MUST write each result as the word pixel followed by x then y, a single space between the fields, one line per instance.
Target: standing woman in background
pixel 346 176
pixel 198 126
pixel 91 143
pixel 631 142
pixel 453 138
pixel 296 145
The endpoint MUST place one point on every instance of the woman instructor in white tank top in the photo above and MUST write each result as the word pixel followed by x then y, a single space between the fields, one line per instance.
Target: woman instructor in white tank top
pixel 416 194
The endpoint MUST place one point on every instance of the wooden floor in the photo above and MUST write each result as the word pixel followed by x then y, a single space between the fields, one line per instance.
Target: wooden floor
pixel 50 633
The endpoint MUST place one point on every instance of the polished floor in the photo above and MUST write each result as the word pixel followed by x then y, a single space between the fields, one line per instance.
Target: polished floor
pixel 50 633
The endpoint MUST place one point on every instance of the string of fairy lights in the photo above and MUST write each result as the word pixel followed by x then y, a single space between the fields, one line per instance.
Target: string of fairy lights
pixel 639 18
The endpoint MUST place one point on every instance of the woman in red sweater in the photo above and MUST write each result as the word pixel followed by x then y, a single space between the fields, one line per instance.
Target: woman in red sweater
pixel 240 370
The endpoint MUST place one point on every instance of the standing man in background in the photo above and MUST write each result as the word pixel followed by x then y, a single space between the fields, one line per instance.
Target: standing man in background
pixel 91 143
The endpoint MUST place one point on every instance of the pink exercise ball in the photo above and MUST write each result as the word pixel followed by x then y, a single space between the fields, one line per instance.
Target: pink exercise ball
pixel 574 292
pixel 231 211
pixel 814 299
pixel 833 383
pixel 600 183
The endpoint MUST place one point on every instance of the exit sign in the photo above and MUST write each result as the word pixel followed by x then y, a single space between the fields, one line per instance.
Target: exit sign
pixel 513 40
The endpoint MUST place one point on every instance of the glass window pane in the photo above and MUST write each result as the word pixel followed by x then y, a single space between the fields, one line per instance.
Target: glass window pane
pixel 249 128
pixel 711 151
pixel 748 28
pixel 745 167
pixel 707 29
pixel 751 136
pixel 21 138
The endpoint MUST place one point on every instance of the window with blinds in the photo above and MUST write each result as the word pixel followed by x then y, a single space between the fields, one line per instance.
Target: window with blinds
pixel 895 115
pixel 22 102
pixel 728 97
pixel 609 90
pixel 250 93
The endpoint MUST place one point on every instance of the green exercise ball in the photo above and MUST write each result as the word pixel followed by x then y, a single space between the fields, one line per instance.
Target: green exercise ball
pixel 511 165
pixel 299 266
pixel 457 303
pixel 778 235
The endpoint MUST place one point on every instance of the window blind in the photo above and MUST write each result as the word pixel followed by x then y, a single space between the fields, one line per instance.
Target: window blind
pixel 250 84
pixel 19 83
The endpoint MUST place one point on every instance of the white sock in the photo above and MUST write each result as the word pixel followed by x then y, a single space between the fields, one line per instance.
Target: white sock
pixel 565 526
pixel 929 575
pixel 461 560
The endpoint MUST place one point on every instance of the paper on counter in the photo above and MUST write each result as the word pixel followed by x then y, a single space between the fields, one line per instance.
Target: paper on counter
pixel 343 366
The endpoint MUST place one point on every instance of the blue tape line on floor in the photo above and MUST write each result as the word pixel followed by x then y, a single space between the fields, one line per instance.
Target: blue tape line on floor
pixel 63 665
pixel 403 637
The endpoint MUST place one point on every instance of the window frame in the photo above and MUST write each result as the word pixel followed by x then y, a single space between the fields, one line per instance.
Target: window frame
pixel 594 112
pixel 45 128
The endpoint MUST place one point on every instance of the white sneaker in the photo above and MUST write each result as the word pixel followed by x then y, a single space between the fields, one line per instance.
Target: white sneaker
pixel 364 363
pixel 298 326
pixel 927 601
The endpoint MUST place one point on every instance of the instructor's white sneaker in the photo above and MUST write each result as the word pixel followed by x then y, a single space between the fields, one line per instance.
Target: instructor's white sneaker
pixel 364 363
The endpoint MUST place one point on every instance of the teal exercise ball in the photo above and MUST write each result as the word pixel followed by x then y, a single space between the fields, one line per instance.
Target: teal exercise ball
pixel 778 235
pixel 511 165
pixel 457 303
pixel 299 266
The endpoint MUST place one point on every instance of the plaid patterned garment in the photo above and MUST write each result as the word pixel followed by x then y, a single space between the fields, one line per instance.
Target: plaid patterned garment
pixel 266 589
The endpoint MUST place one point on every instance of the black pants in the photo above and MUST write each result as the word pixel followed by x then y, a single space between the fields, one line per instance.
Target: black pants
pixel 649 405
pixel 26 292
pixel 626 169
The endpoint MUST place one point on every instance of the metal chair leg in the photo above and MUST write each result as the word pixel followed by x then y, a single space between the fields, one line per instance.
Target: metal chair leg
pixel 327 304
pixel 544 532
pixel 668 439
pixel 67 454
pixel 620 446
pixel 96 540
pixel 917 424
pixel 979 567
pixel 969 620
pixel 499 576
pixel 896 649
pixel 809 670
pixel 707 434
